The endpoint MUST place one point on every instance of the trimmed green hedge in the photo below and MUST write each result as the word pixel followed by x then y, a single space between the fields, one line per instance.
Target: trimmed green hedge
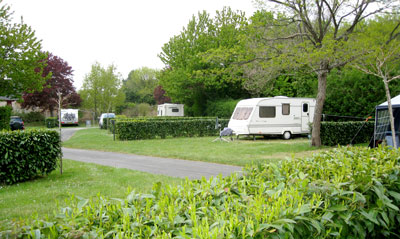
pixel 343 193
pixel 5 114
pixel 27 154
pixel 51 122
pixel 148 129
pixel 341 133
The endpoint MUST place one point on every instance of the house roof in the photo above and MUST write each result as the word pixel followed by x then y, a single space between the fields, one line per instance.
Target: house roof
pixel 5 98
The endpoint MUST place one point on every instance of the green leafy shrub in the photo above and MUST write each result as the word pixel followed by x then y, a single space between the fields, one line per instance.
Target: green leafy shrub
pixel 51 122
pixel 31 117
pixel 183 127
pixel 27 154
pixel 343 193
pixel 221 108
pixel 5 114
pixel 341 133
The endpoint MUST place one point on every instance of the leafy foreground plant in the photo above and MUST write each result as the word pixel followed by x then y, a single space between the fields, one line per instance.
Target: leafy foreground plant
pixel 346 192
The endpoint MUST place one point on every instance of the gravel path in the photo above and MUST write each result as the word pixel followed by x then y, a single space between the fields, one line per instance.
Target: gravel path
pixel 156 165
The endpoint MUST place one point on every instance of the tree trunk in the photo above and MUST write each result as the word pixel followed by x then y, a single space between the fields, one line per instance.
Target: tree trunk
pixel 316 130
pixel 390 109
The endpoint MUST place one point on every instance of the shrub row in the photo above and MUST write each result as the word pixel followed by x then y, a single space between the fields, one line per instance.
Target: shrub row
pixel 31 117
pixel 51 122
pixel 27 154
pixel 144 129
pixel 344 193
pixel 5 113
pixel 341 133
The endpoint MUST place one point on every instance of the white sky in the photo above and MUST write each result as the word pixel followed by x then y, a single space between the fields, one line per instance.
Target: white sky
pixel 126 33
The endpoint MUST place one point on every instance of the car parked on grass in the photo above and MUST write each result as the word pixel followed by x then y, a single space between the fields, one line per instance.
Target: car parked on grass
pixel 16 123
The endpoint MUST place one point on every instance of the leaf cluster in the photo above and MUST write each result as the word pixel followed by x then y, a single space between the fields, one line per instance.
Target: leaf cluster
pixel 27 154
pixel 345 192
pixel 5 113
pixel 343 133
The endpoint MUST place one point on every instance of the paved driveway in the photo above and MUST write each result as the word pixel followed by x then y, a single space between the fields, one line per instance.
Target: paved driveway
pixel 156 165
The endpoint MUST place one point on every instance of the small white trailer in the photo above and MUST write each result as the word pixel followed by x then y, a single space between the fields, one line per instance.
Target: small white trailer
pixel 279 115
pixel 168 109
pixel 69 117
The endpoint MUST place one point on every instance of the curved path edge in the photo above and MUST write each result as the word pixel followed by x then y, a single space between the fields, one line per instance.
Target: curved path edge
pixel 155 165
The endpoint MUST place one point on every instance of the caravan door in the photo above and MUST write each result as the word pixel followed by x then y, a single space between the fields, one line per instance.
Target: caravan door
pixel 305 117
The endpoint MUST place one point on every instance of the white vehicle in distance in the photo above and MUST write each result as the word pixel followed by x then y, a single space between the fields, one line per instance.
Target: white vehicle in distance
pixel 105 116
pixel 69 117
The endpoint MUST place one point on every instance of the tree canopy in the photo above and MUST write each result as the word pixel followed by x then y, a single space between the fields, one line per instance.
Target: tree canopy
pixel 101 90
pixel 61 81
pixel 21 58
pixel 140 85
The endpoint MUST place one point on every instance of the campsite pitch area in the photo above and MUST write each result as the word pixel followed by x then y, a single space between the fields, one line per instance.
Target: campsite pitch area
pixel 238 152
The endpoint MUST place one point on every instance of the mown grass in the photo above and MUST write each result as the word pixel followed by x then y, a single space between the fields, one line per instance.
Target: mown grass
pixel 239 152
pixel 42 195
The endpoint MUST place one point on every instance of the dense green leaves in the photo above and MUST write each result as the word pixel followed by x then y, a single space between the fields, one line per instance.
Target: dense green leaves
pixel 51 122
pixel 26 154
pixel 21 56
pixel 5 113
pixel 168 127
pixel 140 85
pixel 346 193
pixel 345 133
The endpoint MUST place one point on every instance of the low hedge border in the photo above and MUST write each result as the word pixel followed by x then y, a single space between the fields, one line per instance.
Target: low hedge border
pixel 341 133
pixel 26 154
pixel 148 129
pixel 51 122
pixel 343 193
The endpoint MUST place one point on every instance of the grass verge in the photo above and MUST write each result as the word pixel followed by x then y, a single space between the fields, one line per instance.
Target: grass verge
pixel 42 195
pixel 238 152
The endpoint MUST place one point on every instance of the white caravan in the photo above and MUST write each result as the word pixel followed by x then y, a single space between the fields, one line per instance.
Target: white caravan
pixel 279 115
pixel 170 110
pixel 69 117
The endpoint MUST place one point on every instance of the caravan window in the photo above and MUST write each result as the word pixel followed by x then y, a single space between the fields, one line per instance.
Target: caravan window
pixel 305 107
pixel 285 109
pixel 175 110
pixel 242 113
pixel 267 112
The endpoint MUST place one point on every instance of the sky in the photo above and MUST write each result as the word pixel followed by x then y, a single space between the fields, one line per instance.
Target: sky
pixel 126 33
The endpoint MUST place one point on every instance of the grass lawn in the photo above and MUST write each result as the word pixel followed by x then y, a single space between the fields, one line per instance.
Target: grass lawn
pixel 81 179
pixel 239 152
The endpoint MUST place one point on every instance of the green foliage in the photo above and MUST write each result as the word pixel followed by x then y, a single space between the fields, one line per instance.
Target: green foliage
pixel 5 113
pixel 176 127
pixel 51 122
pixel 221 108
pixel 140 85
pixel 27 154
pixel 21 57
pixel 341 133
pixel 343 193
pixel 101 90
pixel 30 117
pixel 201 61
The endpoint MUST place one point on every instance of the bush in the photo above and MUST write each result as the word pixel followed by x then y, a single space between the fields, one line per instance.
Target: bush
pixel 221 108
pixel 151 128
pixel 5 114
pixel 343 193
pixel 25 155
pixel 51 122
pixel 341 133
pixel 31 117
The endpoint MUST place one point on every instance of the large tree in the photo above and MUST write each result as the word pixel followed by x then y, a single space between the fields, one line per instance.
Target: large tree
pixel 317 34
pixel 196 67
pixel 61 81
pixel 101 91
pixel 21 57
pixel 140 85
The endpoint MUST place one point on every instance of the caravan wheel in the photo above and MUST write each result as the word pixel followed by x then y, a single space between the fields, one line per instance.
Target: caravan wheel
pixel 287 135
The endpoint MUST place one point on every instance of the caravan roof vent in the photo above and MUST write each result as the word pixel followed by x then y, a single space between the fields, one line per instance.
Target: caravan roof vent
pixel 281 97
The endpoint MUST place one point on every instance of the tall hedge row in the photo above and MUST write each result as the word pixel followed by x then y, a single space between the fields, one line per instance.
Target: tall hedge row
pixel 343 193
pixel 5 114
pixel 341 133
pixel 27 154
pixel 144 129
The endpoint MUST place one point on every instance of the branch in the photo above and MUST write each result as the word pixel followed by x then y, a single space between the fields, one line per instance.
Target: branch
pixel 392 36
pixel 288 37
